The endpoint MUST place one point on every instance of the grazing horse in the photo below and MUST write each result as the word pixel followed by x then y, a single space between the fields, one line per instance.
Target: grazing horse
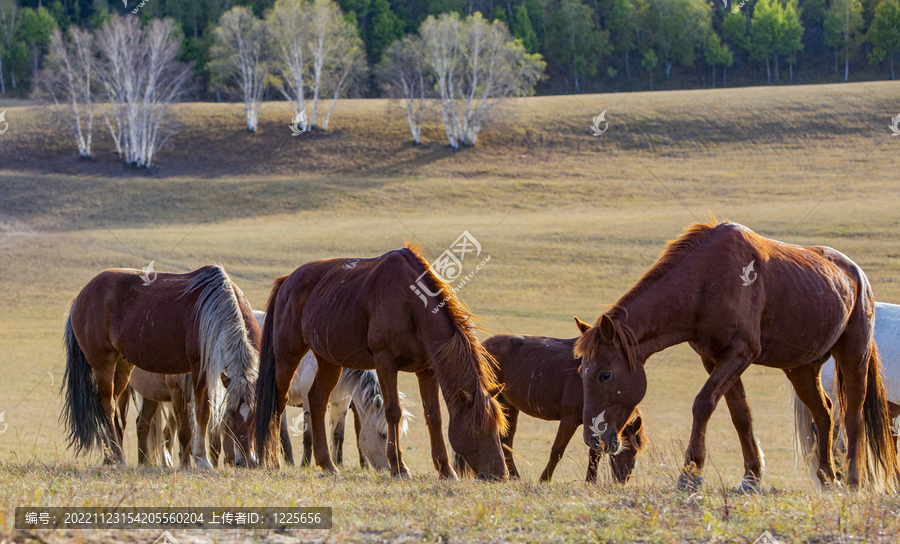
pixel 539 376
pixel 357 390
pixel 360 313
pixel 158 391
pixel 887 338
pixel 797 305
pixel 198 323
pixel 156 431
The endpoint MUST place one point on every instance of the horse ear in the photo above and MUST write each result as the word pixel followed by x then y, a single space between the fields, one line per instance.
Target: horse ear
pixel 607 328
pixel 636 424
pixel 465 397
pixel 582 326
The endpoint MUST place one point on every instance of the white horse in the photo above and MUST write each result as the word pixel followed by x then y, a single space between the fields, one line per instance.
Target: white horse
pixel 359 386
pixel 887 338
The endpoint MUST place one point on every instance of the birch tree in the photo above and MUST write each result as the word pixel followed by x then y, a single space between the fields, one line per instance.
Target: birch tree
pixel 8 14
pixel 344 67
pixel 70 76
pixel 141 76
pixel 288 25
pixel 476 64
pixel 240 54
pixel 403 72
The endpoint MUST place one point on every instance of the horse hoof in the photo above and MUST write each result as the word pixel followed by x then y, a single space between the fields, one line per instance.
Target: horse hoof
pixel 749 486
pixel 403 476
pixel 204 464
pixel 690 482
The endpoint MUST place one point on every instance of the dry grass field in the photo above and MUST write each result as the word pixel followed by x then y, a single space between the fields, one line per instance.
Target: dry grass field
pixel 570 222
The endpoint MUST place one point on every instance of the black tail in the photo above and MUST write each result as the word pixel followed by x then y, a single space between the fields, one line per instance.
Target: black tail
pixel 267 426
pixel 82 414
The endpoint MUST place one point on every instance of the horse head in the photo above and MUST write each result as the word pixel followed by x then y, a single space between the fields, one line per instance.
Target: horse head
pixel 613 384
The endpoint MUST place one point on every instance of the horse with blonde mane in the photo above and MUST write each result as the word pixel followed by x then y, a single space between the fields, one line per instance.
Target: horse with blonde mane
pixel 360 313
pixel 799 304
pixel 198 323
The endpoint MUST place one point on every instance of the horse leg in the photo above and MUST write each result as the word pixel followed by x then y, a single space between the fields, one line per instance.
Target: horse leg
pixel 357 426
pixel 122 415
pixel 428 387
pixel 104 367
pixel 338 420
pixel 807 383
pixel 326 378
pixel 145 415
pixel 181 407
pixel 387 369
pixel 725 373
pixel 741 418
pixel 215 447
pixel 593 461
pixel 567 427
pixel 201 416
pixel 286 447
pixel 307 438
pixel 506 441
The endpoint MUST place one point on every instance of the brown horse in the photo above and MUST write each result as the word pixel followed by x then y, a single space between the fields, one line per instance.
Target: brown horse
pixel 539 376
pixel 197 323
pixel 360 313
pixel 799 304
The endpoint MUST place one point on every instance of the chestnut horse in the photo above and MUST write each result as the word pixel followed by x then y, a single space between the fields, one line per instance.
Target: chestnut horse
pixel 800 304
pixel 539 376
pixel 198 322
pixel 360 313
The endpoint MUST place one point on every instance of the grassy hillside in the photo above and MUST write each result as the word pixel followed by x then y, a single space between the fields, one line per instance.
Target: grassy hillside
pixel 570 221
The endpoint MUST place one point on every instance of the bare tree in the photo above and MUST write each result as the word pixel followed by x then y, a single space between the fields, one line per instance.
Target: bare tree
pixel 476 63
pixel 288 25
pixel 403 72
pixel 141 75
pixel 70 75
pixel 240 54
pixel 344 66
pixel 8 14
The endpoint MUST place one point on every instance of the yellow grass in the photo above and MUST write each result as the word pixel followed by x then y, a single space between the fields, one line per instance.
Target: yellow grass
pixel 570 222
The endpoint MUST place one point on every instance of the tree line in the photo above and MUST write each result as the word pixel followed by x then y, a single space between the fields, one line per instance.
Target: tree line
pixel 588 45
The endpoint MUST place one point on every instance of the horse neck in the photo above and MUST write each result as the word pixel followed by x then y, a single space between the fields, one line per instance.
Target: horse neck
pixel 659 316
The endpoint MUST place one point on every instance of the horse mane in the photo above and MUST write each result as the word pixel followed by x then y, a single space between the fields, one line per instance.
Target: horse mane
pixel 225 346
pixel 676 251
pixel 476 376
pixel 365 390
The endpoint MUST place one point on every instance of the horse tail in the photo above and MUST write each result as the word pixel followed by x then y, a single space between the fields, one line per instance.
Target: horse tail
pixel 805 450
pixel 883 468
pixel 82 413
pixel 267 429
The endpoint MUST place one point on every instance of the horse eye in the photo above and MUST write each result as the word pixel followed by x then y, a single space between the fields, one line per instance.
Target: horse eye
pixel 383 435
pixel 605 376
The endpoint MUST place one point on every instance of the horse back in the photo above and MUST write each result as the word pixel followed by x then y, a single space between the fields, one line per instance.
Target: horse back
pixel 539 374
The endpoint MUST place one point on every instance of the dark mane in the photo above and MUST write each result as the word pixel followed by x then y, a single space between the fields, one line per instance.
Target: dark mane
pixel 476 376
pixel 676 251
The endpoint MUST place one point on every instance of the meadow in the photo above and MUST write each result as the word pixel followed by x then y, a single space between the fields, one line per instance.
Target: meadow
pixel 570 222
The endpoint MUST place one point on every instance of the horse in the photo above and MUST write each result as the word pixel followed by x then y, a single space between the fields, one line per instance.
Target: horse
pixel 156 438
pixel 789 307
pixel 887 338
pixel 539 376
pixel 198 323
pixel 359 313
pixel 357 390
